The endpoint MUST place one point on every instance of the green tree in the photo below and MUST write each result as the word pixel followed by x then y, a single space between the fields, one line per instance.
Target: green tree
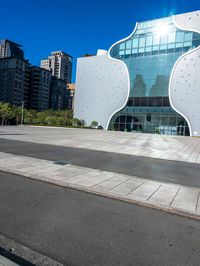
pixel 17 113
pixel 30 117
pixel 82 123
pixel 41 116
pixel 76 122
pixel 68 114
pixel 5 112
pixel 50 120
pixel 67 122
pixel 94 124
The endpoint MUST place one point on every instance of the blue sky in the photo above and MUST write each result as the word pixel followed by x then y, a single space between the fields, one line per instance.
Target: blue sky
pixel 78 26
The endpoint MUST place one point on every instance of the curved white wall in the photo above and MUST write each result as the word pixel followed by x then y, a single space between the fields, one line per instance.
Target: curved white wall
pixel 102 87
pixel 103 84
pixel 184 86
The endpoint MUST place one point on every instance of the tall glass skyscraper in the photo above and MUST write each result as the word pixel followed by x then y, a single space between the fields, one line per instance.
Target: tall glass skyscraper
pixel 150 54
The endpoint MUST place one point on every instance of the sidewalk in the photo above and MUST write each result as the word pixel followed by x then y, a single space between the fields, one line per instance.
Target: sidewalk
pixel 177 148
pixel 172 198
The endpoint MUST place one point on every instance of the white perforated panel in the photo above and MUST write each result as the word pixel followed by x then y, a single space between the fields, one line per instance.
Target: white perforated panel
pixel 102 87
pixel 188 21
pixel 184 87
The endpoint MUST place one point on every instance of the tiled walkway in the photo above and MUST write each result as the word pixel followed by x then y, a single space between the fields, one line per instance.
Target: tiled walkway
pixel 166 196
pixel 178 148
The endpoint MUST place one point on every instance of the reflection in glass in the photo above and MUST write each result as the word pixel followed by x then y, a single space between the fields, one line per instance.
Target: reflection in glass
pixel 150 55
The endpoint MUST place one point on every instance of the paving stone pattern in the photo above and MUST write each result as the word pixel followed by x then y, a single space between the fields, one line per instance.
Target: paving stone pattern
pixel 178 148
pixel 166 196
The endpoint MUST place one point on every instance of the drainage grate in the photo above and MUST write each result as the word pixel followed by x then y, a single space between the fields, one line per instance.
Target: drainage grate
pixel 62 162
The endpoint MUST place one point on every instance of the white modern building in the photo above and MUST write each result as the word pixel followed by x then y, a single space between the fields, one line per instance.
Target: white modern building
pixel 60 64
pixel 148 82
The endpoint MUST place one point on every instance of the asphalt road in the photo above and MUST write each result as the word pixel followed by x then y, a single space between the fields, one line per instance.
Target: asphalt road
pixel 163 170
pixel 78 228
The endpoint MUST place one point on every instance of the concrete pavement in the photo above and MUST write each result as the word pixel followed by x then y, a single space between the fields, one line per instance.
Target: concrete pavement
pixel 178 148
pixel 182 173
pixel 77 228
pixel 170 197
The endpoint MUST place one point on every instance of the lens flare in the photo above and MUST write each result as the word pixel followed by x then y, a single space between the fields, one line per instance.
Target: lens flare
pixel 162 29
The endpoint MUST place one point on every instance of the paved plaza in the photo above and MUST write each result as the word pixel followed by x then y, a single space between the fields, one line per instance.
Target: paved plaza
pixel 170 197
pixel 156 182
pixel 92 188
pixel 178 148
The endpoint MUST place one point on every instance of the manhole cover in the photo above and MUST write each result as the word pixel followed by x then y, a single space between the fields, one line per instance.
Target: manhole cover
pixel 62 162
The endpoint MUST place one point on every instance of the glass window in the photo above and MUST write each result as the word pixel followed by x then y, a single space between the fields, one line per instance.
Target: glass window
pixel 141 50
pixel 196 43
pixel 179 45
pixel 140 25
pixel 163 47
pixel 149 78
pixel 188 37
pixel 135 43
pixel 179 36
pixel 171 45
pixel 155 48
pixel 121 52
pixel 195 35
pixel 122 46
pixel 156 40
pixel 186 44
pixel 172 37
pixel 128 44
pixel 148 49
pixel 149 40
pixel 127 51
pixel 163 39
pixel 141 31
pixel 142 42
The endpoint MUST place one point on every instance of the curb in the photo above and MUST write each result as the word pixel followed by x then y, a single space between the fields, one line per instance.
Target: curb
pixel 170 210
pixel 13 253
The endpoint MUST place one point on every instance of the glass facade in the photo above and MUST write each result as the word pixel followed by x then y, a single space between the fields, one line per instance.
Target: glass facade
pixel 150 54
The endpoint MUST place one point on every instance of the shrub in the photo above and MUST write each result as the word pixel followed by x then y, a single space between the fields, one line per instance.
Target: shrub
pixel 82 122
pixel 30 116
pixel 67 121
pixel 94 124
pixel 157 130
pixel 50 120
pixel 76 122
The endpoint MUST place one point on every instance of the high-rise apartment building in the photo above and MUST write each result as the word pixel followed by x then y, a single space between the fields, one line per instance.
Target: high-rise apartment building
pixel 14 87
pixel 60 64
pixel 35 87
pixel 14 74
pixel 58 94
pixel 10 49
pixel 39 88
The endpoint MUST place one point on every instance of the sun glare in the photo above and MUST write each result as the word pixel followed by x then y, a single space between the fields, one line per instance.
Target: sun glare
pixel 162 29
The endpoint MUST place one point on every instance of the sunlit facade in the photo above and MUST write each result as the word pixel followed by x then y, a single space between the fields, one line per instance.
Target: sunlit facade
pixel 148 82
pixel 150 54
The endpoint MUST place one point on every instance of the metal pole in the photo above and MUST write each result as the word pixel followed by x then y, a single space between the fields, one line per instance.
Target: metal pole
pixel 22 117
